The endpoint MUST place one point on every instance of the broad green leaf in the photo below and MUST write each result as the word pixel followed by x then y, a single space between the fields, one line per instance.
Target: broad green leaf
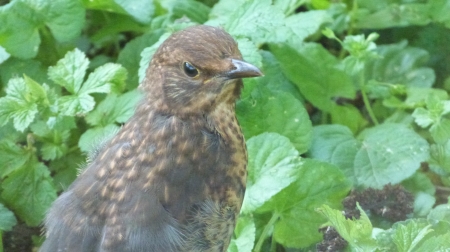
pixel 302 25
pixel 288 6
pixel 280 112
pixel 273 79
pixel 29 192
pixel 114 109
pixel 408 234
pixel 335 144
pixel 272 163
pixel 69 72
pixel 141 10
pixel 7 219
pixel 105 78
pixel 244 235
pixel 316 183
pixel 435 243
pixel 245 20
pixel 358 233
pixel 314 72
pixel 389 153
pixel 386 14
pixel 401 64
pixel 64 18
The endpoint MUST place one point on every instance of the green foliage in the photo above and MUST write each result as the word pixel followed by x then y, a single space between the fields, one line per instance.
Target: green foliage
pixel 339 108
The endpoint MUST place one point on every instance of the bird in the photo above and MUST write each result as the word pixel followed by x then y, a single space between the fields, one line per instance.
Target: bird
pixel 174 176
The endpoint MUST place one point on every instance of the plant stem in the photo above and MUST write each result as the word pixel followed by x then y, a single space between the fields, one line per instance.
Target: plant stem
pixel 265 232
pixel 368 106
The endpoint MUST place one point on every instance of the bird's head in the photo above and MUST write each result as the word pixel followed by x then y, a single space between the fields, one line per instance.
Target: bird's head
pixel 196 69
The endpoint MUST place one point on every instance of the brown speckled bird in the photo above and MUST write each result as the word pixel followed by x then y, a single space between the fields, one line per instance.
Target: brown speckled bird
pixel 173 178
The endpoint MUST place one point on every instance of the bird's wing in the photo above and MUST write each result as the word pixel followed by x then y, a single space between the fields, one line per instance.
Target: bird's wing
pixel 110 213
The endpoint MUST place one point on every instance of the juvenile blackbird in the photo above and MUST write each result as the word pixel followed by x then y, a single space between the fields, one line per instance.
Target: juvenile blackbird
pixel 173 178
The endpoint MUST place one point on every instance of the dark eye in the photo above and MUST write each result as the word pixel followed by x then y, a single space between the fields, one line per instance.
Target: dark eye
pixel 189 69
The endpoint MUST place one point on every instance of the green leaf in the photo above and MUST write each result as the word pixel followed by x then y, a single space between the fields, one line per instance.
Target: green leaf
pixel 389 153
pixel 273 79
pixel 315 73
pixel 29 191
pixel 349 116
pixel 358 233
pixel 335 144
pixel 316 183
pixel 20 103
pixel 244 20
pixel 435 243
pixel 14 67
pixel 7 219
pixel 272 162
pixel 130 55
pixel 440 158
pixel 401 64
pixel 71 105
pixel 114 109
pixel 424 192
pixel 439 10
pixel 249 51
pixel 280 112
pixel 408 234
pixel 69 72
pixel 441 213
pixel 105 78
pixel 3 55
pixel 13 157
pixel 390 14
pixel 21 20
pixel 244 235
pixel 140 10
pixel 93 139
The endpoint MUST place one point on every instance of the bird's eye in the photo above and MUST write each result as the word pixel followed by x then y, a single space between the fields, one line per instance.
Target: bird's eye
pixel 189 69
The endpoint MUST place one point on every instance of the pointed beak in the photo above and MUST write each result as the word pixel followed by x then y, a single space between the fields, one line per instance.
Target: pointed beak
pixel 243 69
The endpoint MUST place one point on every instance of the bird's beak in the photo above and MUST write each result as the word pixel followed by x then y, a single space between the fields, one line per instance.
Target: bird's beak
pixel 243 69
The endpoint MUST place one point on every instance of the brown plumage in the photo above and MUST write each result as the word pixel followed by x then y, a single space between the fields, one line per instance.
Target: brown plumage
pixel 173 178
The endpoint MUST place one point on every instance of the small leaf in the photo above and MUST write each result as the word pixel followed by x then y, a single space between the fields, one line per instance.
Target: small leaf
pixel 105 78
pixel 69 72
pixel 358 233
